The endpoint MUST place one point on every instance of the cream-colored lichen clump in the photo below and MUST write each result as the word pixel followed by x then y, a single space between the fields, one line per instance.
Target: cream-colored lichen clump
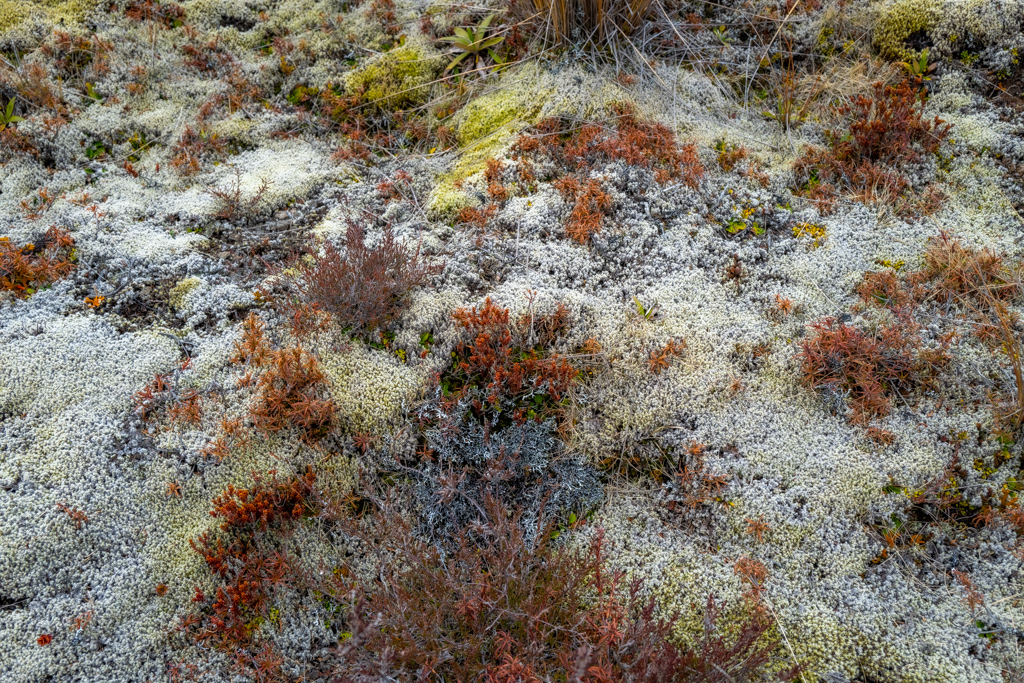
pixel 670 222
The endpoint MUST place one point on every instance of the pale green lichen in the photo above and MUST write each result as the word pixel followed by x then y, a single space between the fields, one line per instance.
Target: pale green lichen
pixel 899 21
pixel 397 79
pixel 181 291
pixel 369 389
pixel 66 12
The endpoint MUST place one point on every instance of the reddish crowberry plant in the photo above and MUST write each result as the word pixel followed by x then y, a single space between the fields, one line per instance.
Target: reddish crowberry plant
pixel 25 269
pixel 498 370
pixel 887 131
pixel 251 563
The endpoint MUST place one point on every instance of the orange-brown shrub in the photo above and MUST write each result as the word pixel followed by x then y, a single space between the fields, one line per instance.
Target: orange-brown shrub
pixel 291 394
pixel 635 142
pixel 957 273
pixel 495 373
pixel 160 393
pixel 887 131
pixel 292 390
pixel 869 368
pixel 25 269
pixel 590 204
pixel 251 563
pixel 167 14
pixel 192 147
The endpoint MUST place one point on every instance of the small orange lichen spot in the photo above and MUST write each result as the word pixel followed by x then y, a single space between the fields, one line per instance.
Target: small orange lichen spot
pixel 44 639
pixel 95 301
pixel 161 589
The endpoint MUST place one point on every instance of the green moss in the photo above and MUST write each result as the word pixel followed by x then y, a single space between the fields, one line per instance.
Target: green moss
pixel 899 21
pixel 484 127
pixel 181 290
pixel 499 113
pixel 13 12
pixel 394 80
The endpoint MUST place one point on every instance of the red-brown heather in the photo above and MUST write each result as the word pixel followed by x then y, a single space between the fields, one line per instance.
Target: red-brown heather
pixel 887 132
pixel 365 288
pixel 37 264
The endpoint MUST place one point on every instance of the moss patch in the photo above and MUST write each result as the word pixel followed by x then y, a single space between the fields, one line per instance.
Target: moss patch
pixel 181 290
pixel 397 79
pixel 370 392
pixel 901 20
pixel 13 12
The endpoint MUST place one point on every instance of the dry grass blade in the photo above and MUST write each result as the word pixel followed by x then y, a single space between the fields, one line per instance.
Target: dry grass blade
pixel 566 21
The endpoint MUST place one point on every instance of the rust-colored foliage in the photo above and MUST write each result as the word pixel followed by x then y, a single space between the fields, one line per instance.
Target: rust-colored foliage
pixel 291 394
pixel 757 528
pixel 887 132
pixel 71 55
pixel 364 288
pixel 264 504
pixel 252 348
pixel 25 269
pixel 729 156
pixel 635 142
pixel 232 435
pixel 192 147
pixel 167 14
pixel 885 289
pixel 957 273
pixel 182 405
pixel 658 360
pixel 972 596
pixel 76 515
pixel 495 373
pixel 44 639
pixel 946 508
pixel 503 609
pixel 882 437
pixel 590 204
pixel 250 562
pixel 187 408
pixel 753 573
pixel 291 391
pixel 38 204
pixel 692 484
pixel 868 368
pixel 477 217
pixel 982 283
pixel 33 86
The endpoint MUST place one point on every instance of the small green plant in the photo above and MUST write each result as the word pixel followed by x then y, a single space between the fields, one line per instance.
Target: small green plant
pixel 91 96
pixel 96 150
pixel 7 116
pixel 919 69
pixel 646 312
pixel 472 42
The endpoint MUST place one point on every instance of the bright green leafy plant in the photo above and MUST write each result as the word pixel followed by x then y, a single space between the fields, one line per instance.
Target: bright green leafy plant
pixel 474 41
pixel 7 116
